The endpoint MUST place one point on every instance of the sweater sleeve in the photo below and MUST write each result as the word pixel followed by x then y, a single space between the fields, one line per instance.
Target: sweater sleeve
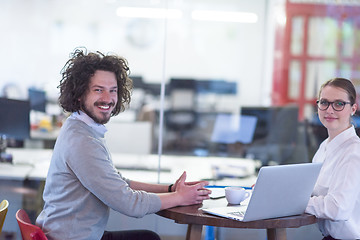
pixel 92 165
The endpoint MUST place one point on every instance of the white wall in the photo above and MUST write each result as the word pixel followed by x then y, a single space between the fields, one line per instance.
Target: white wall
pixel 38 35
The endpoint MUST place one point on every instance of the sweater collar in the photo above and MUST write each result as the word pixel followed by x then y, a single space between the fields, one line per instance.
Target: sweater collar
pixel 100 128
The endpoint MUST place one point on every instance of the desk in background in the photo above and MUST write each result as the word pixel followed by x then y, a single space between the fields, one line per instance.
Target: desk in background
pixel 34 164
pixel 14 183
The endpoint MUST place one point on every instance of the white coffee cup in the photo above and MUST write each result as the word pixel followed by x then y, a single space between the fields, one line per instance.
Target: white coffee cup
pixel 235 195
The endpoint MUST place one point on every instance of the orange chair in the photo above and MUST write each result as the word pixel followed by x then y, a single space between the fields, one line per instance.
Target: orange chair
pixel 28 230
pixel 3 210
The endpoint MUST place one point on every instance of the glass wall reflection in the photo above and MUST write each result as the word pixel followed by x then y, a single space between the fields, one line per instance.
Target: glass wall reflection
pixel 221 88
pixel 212 79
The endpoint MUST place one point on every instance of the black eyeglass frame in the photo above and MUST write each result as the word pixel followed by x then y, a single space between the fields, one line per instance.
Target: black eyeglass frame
pixel 332 105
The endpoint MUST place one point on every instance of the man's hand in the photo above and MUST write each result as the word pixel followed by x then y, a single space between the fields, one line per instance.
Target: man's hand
pixel 191 192
pixel 173 188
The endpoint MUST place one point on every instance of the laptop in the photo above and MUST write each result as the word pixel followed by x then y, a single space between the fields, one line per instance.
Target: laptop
pixel 280 191
pixel 229 128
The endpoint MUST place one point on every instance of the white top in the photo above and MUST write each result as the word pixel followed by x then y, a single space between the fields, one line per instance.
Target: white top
pixel 336 196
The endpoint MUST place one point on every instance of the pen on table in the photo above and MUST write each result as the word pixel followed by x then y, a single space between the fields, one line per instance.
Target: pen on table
pixel 220 186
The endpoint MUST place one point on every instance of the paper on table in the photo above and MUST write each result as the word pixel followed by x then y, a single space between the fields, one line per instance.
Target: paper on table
pixel 217 193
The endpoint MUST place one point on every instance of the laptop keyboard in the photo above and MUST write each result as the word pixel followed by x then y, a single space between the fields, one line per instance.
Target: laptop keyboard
pixel 238 213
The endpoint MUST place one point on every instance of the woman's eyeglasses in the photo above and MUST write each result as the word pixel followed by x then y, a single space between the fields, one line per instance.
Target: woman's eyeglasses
pixel 336 105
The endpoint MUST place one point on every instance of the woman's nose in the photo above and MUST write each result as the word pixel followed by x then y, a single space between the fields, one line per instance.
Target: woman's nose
pixel 330 109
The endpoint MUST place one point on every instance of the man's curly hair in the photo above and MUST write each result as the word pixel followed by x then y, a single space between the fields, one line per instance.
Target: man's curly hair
pixel 81 67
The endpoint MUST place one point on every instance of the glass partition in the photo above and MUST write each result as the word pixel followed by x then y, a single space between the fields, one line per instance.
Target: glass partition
pixel 218 85
pixel 195 65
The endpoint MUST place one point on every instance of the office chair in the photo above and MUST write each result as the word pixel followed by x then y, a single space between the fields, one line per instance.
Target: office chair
pixel 3 211
pixel 284 142
pixel 182 116
pixel 28 230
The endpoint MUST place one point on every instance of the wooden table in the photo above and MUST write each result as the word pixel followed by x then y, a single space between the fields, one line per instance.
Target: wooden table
pixel 196 219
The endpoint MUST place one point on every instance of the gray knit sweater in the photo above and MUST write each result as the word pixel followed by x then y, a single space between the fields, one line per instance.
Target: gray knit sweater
pixel 82 184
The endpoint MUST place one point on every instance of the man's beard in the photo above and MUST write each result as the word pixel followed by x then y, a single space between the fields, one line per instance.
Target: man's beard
pixel 91 114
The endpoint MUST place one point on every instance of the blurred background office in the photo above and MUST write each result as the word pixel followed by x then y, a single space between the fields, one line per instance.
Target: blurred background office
pixel 225 79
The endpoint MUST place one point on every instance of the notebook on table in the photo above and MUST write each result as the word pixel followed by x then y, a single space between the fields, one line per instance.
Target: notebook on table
pixel 280 191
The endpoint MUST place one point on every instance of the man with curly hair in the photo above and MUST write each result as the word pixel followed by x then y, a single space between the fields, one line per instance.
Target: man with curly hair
pixel 82 182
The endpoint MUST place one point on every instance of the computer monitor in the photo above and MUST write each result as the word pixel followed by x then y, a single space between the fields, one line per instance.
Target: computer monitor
pixel 137 82
pixel 230 129
pixel 14 119
pixel 283 118
pixel 37 99
pixel 216 87
pixel 182 83
pixel 265 116
pixel 153 89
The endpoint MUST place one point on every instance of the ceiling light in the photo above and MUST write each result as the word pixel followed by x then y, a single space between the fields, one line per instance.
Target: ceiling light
pixel 161 13
pixel 221 16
